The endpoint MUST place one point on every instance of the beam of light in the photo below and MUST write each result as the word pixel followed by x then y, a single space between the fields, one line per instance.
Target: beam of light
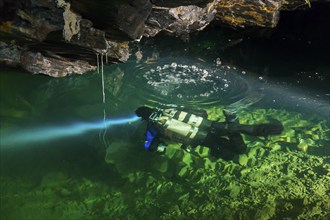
pixel 56 132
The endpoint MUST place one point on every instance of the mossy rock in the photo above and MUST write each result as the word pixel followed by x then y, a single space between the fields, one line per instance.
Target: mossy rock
pixel 243 159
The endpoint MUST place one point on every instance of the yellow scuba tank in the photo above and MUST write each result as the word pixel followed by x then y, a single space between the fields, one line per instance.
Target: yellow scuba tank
pixel 186 117
pixel 180 128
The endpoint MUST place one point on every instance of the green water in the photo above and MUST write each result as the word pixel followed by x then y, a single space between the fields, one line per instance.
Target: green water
pixel 106 173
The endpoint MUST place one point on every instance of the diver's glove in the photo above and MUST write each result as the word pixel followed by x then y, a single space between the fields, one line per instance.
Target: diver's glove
pixel 161 148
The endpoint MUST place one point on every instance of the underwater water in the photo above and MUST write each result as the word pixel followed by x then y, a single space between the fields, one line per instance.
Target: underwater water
pixel 66 154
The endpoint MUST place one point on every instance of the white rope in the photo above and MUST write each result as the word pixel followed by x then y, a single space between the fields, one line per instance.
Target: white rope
pixel 103 93
pixel 97 61
pixel 103 98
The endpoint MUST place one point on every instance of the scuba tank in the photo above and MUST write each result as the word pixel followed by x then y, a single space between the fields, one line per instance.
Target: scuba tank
pixel 191 119
pixel 180 126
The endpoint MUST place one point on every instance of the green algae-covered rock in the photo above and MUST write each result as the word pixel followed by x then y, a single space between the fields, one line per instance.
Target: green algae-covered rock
pixel 170 152
pixel 234 190
pixel 163 167
pixel 202 151
pixel 209 164
pixel 187 158
pixel 243 159
pixel 183 171
pixel 266 212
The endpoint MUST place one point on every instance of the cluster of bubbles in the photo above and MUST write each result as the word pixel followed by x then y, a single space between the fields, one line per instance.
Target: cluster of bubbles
pixel 194 82
pixel 179 79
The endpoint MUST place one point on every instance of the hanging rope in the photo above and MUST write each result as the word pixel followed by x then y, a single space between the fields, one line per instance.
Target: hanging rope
pixel 97 61
pixel 103 134
pixel 103 93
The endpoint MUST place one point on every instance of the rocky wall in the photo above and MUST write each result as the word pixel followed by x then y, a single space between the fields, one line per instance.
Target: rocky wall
pixel 92 28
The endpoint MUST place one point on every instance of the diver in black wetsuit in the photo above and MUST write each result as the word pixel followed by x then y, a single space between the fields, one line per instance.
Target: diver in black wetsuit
pixel 192 128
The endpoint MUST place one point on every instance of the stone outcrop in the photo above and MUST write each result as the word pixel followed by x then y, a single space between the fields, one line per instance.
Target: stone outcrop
pixel 243 13
pixel 179 21
pixel 53 66
pixel 249 13
pixel 60 38
pixel 58 35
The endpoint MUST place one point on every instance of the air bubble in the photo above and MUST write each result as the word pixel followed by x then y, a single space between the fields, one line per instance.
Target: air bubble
pixel 174 65
pixel 218 62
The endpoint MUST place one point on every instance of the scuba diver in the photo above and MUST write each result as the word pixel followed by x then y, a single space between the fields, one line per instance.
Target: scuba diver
pixel 192 128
